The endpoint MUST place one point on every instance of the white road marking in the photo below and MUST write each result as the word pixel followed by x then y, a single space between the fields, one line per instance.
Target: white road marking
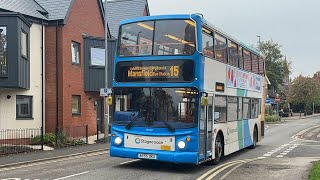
pixel 72 175
pixel 279 156
pixel 129 161
pixel 267 155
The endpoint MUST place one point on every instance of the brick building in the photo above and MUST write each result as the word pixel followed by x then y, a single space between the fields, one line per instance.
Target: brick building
pixel 74 19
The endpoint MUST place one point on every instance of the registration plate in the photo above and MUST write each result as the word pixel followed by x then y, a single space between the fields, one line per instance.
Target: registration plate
pixel 147 156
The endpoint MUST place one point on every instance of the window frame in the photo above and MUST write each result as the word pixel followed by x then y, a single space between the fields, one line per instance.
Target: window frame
pixel 95 65
pixel 256 61
pixel 226 116
pixel 27 44
pixel 79 51
pixel 153 39
pixel 6 54
pixel 79 105
pixel 249 108
pixel 237 117
pixel 244 63
pixel 229 53
pixel 30 103
pixel 213 40
pixel 225 61
pixel 240 54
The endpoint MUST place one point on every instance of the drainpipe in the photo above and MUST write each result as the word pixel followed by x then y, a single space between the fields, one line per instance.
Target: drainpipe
pixel 57 89
pixel 42 84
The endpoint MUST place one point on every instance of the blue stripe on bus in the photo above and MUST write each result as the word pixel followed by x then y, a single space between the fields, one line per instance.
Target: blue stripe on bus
pixel 246 132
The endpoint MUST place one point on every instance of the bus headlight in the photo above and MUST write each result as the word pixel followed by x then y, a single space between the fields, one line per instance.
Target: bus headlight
pixel 117 140
pixel 181 144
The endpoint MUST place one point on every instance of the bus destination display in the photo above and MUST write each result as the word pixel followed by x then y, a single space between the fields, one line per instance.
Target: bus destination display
pixel 149 71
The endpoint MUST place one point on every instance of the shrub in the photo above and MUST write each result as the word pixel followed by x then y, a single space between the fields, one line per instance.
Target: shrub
pixel 272 118
pixel 49 140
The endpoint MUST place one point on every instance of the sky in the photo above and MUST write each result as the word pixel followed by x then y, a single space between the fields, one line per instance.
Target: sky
pixel 294 24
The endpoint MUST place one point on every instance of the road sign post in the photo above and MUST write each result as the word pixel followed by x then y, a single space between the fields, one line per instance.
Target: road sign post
pixel 277 99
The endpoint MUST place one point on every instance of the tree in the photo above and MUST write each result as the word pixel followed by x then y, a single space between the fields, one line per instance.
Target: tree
pixel 277 67
pixel 304 91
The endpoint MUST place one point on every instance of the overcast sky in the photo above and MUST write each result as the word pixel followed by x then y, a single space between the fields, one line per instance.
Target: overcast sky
pixel 294 24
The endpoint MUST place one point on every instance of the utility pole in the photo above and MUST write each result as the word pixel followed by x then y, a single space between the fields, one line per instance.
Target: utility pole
pixel 106 111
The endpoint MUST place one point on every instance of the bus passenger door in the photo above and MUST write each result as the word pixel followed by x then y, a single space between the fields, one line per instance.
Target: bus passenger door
pixel 205 127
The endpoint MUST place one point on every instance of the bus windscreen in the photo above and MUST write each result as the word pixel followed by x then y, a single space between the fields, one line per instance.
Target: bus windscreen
pixel 155 71
pixel 157 38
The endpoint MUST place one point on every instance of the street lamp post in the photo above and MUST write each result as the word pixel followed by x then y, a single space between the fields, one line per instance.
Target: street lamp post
pixel 106 112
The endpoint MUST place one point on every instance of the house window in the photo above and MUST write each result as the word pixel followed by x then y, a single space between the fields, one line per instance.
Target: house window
pixel 98 57
pixel 76 105
pixel 24 107
pixel 75 52
pixel 3 51
pixel 24 46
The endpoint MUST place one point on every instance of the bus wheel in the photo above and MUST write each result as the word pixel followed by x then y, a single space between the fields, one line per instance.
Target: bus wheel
pixel 255 137
pixel 218 148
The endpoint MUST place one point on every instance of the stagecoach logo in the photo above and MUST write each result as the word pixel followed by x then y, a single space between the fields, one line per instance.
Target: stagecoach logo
pixel 143 141
pixel 230 131
pixel 137 140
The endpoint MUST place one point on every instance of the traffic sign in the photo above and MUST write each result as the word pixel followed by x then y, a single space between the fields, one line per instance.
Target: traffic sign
pixel 105 91
pixel 268 100
pixel 277 99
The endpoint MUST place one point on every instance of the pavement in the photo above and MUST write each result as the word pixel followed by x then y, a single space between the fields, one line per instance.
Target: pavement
pixel 53 154
pixel 274 168
pixel 296 116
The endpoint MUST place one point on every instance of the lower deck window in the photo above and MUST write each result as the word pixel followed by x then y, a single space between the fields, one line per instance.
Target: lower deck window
pixel 220 109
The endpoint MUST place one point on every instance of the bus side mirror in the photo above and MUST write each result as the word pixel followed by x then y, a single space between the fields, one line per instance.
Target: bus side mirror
pixel 109 100
pixel 204 101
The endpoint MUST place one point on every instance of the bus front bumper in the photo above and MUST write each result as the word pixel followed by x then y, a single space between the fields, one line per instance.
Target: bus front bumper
pixel 166 156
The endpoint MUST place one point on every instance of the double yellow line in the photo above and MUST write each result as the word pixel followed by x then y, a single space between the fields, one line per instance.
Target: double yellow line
pixel 215 171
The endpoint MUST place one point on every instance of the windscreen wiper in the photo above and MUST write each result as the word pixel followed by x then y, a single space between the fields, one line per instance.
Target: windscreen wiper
pixel 169 126
pixel 129 125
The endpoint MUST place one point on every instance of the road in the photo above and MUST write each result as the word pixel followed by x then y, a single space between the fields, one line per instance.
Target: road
pixel 279 144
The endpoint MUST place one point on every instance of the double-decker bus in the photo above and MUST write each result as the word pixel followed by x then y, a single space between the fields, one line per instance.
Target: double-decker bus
pixel 184 91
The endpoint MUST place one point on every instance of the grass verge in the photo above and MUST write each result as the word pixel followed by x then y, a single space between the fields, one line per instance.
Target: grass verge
pixel 315 172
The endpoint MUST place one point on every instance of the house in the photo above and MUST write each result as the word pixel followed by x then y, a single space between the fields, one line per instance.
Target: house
pixel 118 10
pixel 77 27
pixel 52 61
pixel 22 26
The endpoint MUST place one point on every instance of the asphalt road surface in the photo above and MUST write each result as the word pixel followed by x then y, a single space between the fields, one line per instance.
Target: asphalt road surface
pixel 280 143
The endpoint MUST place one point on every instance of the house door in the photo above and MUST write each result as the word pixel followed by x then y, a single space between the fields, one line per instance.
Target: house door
pixel 99 108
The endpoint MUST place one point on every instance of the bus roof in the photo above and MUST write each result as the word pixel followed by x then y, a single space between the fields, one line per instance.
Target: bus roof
pixel 188 16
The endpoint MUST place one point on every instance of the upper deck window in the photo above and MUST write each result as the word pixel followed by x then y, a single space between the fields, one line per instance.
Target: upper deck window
pixel 247 59
pixel 220 46
pixel 163 37
pixel 255 64
pixel 233 54
pixel 207 45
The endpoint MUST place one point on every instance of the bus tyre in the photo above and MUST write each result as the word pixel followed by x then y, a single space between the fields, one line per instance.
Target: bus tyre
pixel 255 138
pixel 218 148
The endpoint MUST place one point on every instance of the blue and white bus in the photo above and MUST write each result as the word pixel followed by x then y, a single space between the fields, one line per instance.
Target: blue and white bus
pixel 184 91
